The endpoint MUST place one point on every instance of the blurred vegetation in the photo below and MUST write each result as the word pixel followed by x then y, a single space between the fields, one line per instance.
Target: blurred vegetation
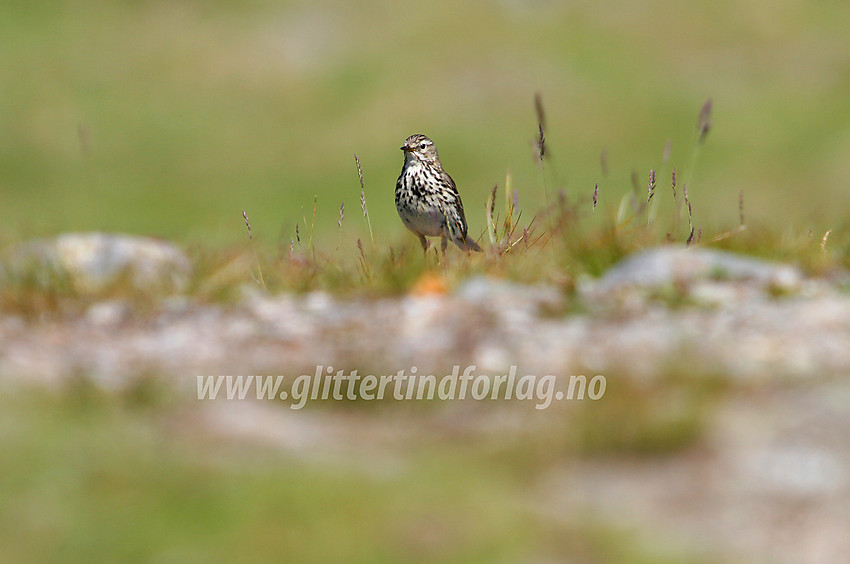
pixel 132 477
pixel 169 118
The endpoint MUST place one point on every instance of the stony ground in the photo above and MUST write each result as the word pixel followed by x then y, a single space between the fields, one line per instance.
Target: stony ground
pixel 765 478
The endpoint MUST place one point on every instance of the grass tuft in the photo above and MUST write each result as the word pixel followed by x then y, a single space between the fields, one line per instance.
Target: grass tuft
pixel 363 207
pixel 562 241
pixel 259 279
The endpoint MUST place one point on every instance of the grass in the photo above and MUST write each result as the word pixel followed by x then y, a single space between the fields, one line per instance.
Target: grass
pixel 143 486
pixel 568 238
pixel 560 242
pixel 259 106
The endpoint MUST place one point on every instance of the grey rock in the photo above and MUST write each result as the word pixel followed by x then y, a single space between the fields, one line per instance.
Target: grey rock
pixel 109 313
pixel 482 291
pixel 677 264
pixel 91 262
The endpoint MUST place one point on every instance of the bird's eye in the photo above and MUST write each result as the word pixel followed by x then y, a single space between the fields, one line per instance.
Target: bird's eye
pixel 422 147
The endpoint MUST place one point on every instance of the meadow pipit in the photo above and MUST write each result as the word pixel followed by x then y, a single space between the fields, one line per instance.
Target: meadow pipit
pixel 427 199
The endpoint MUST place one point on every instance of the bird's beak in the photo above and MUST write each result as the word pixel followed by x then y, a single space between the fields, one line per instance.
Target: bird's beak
pixel 405 148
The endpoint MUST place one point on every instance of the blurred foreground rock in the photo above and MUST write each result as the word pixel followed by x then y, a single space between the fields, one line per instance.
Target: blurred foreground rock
pixel 769 479
pixel 678 265
pixel 92 262
pixel 712 312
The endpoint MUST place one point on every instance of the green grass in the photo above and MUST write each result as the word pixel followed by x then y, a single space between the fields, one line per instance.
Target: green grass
pixel 168 119
pixel 556 246
pixel 96 477
pixel 218 108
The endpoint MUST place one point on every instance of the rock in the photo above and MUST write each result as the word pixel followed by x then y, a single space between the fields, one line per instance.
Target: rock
pixel 676 265
pixel 760 385
pixel 108 314
pixel 92 262
pixel 484 291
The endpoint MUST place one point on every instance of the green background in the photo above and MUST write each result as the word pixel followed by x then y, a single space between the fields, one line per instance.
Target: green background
pixel 169 118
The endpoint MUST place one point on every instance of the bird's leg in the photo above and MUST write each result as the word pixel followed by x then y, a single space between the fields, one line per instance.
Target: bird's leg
pixel 424 242
pixel 443 244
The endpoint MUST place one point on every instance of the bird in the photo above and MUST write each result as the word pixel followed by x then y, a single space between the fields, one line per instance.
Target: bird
pixel 427 199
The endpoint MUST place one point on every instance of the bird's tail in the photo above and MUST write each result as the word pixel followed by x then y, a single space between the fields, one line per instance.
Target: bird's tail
pixel 467 244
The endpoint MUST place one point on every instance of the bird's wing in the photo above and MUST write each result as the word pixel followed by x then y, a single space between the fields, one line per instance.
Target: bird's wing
pixel 453 209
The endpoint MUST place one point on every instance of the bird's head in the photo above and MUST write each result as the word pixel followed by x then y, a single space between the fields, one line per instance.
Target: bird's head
pixel 421 148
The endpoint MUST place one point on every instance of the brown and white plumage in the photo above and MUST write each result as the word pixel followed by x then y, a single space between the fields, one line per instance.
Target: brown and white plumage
pixel 427 199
